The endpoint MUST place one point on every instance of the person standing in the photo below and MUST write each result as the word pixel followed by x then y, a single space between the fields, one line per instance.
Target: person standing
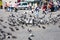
pixel 55 6
pixel 44 8
pixel 9 6
pixel 52 6
pixel 37 9
pixel 5 6
pixel 59 4
pixel 15 6
pixel 30 6
pixel 32 9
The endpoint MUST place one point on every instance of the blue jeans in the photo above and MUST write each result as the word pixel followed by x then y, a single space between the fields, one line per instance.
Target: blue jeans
pixel 10 9
pixel 55 8
pixel 37 14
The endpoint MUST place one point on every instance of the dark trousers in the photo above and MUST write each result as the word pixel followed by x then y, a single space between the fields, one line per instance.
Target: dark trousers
pixel 52 9
pixel 16 9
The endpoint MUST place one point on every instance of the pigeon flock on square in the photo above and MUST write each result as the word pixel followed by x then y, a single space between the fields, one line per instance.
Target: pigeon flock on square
pixel 22 19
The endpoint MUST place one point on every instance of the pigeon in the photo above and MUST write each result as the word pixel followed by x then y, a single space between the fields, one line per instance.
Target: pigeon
pixel 29 30
pixel 16 28
pixel 12 15
pixel 44 12
pixel 9 37
pixel 33 22
pixel 14 37
pixel 31 35
pixel 58 15
pixel 59 26
pixel 4 37
pixel 18 24
pixel 5 22
pixel 1 20
pixel 11 29
pixel 11 24
pixel 43 27
pixel 2 31
pixel 30 15
pixel 29 38
pixel 22 26
pixel 39 26
pixel 26 24
pixel 9 34
pixel 4 26
pixel 47 23
pixel 32 12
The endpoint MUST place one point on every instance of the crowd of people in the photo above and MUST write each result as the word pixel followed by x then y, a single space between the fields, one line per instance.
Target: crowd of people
pixel 53 6
pixel 49 6
pixel 10 7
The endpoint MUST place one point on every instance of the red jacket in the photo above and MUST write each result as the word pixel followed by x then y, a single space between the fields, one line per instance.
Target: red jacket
pixel 44 7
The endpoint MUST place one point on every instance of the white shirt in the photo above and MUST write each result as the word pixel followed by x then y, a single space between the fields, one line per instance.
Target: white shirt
pixel 10 4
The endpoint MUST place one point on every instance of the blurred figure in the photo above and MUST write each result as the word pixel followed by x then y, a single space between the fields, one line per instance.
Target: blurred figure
pixel 30 7
pixel 44 8
pixel 37 11
pixel 51 6
pixel 59 4
pixel 10 7
pixel 48 7
pixel 15 7
pixel 5 6
pixel 55 6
